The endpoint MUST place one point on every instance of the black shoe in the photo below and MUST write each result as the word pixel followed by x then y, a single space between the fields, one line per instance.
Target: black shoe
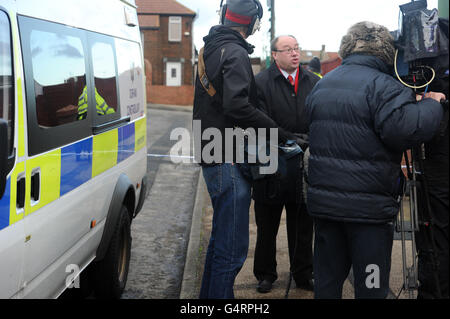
pixel 264 286
pixel 306 285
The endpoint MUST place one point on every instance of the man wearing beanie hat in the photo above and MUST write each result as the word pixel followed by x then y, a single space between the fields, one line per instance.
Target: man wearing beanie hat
pixel 361 120
pixel 315 67
pixel 231 104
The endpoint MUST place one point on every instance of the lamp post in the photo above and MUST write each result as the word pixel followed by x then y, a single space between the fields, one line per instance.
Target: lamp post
pixel 272 19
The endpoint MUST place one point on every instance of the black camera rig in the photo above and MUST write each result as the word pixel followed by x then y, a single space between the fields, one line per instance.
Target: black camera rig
pixel 421 63
pixel 421 41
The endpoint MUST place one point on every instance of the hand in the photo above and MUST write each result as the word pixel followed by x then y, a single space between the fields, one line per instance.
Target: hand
pixel 437 96
pixel 302 140
pixel 284 136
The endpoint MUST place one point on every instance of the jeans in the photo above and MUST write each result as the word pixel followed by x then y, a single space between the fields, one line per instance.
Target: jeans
pixel 230 195
pixel 341 245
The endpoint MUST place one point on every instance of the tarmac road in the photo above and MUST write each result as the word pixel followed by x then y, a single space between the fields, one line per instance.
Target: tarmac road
pixel 161 230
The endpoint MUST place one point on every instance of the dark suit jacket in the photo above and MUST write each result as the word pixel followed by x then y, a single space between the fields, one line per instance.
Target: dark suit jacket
pixel 277 98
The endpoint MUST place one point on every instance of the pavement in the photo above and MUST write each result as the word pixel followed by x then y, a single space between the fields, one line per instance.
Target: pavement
pixel 245 283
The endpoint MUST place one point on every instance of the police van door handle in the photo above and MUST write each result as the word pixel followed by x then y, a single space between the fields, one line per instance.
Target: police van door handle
pixel 20 199
pixel 35 186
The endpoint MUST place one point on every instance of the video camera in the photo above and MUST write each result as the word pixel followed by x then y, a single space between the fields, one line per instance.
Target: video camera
pixel 422 48
pixel 421 63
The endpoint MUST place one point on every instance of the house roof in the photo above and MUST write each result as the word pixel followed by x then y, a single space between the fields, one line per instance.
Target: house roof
pixel 162 7
pixel 307 55
pixel 333 55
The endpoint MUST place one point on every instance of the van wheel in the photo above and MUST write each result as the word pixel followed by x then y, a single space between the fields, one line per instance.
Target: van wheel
pixel 111 273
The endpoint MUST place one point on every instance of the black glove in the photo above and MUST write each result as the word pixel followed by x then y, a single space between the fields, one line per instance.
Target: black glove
pixel 444 104
pixel 302 140
pixel 284 136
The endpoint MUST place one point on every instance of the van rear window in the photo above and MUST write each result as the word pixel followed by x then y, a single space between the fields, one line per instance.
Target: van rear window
pixel 131 78
pixel 104 66
pixel 59 77
pixel 6 78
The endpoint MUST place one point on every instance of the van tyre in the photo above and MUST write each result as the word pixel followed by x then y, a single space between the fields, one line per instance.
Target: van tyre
pixel 111 272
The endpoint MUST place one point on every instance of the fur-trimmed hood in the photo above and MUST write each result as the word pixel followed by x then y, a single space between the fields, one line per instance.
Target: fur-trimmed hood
pixel 368 38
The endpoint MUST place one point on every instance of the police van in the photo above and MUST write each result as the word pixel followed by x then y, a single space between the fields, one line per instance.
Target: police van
pixel 73 156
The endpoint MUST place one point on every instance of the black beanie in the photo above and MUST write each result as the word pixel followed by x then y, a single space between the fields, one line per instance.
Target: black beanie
pixel 240 12
pixel 314 65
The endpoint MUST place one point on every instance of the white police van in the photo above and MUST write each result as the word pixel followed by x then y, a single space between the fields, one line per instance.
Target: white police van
pixel 73 156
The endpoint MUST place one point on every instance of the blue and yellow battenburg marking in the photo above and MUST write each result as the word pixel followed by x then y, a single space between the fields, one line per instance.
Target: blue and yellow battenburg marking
pixel 4 205
pixel 63 170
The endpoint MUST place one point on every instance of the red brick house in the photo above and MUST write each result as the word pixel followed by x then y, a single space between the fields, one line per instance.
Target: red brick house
pixel 329 60
pixel 333 61
pixel 166 30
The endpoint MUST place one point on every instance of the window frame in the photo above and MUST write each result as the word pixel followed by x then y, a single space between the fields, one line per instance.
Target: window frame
pixel 100 122
pixel 11 148
pixel 41 139
pixel 179 21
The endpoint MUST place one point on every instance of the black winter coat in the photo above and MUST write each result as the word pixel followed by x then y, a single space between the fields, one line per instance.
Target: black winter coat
pixel 229 69
pixel 277 99
pixel 361 120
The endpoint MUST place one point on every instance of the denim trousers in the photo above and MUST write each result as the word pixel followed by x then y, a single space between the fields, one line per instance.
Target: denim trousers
pixel 230 195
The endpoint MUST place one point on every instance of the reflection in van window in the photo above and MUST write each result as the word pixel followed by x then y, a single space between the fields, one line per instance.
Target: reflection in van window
pixel 6 77
pixel 59 76
pixel 105 78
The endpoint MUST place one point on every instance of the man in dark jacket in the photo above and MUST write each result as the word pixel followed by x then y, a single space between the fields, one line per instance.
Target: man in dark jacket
pixel 229 72
pixel 282 91
pixel 361 120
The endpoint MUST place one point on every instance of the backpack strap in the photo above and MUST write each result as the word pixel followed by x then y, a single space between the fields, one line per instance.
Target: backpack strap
pixel 207 85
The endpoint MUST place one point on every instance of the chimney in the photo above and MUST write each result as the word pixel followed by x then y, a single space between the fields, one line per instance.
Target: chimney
pixel 322 52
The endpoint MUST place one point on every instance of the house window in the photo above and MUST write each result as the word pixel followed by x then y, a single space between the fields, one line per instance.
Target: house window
pixel 175 29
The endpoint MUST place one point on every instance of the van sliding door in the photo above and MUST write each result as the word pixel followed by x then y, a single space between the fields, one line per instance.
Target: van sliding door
pixel 11 214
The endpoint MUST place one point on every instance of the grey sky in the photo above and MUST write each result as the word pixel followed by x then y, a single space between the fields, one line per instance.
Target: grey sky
pixel 312 22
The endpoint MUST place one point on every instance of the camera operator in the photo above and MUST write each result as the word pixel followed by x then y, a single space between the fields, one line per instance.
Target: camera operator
pixel 436 173
pixel 361 120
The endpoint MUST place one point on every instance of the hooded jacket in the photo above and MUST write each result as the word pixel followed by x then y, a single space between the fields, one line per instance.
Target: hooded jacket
pixel 361 120
pixel 229 70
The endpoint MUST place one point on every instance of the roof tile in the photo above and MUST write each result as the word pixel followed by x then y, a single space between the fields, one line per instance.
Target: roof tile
pixel 162 7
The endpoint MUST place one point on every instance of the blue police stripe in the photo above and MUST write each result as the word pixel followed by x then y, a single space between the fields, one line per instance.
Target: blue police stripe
pixel 76 165
pixel 4 205
pixel 126 142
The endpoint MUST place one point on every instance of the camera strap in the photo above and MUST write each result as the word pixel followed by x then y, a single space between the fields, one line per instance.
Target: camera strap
pixel 204 80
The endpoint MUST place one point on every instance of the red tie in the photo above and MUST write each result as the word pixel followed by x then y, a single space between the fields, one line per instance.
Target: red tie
pixel 291 80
